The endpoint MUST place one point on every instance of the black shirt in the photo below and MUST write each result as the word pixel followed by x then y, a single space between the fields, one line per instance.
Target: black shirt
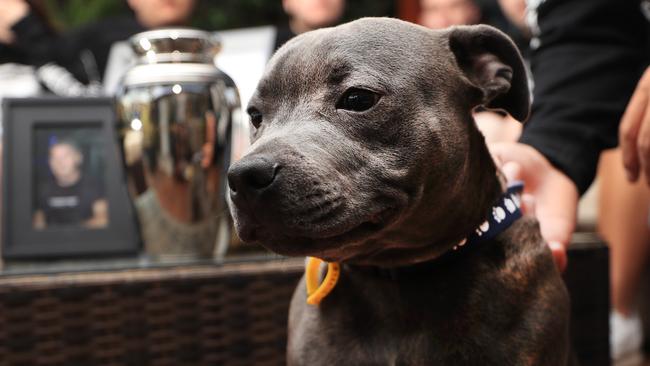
pixel 71 205
pixel 591 55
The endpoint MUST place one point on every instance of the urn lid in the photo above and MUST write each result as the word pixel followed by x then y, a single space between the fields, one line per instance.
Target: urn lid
pixel 174 55
pixel 175 45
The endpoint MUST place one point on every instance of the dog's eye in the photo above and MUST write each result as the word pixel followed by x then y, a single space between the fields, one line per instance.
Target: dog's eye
pixel 255 116
pixel 357 100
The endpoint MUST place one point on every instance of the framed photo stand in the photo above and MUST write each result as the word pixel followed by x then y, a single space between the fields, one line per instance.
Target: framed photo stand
pixel 64 191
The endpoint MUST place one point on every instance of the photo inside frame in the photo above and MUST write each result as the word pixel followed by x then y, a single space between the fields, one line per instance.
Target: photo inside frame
pixel 69 182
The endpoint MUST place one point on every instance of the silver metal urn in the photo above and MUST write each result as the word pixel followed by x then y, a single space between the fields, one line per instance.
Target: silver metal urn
pixel 177 111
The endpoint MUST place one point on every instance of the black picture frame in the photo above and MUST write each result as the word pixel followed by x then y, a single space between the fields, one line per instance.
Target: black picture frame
pixel 20 238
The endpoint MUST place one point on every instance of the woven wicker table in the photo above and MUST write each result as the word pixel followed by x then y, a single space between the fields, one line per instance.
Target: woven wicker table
pixel 229 314
pixel 233 313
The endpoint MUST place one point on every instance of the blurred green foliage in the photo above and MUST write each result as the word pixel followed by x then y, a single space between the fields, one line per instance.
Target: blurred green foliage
pixel 210 14
pixel 71 13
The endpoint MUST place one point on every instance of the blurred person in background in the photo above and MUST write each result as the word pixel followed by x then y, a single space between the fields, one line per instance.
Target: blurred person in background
pixel 149 14
pixel 438 14
pixel 587 57
pixel 623 206
pixel 307 15
pixel 515 11
pixel 623 209
pixel 17 75
pixel 507 15
pixel 74 63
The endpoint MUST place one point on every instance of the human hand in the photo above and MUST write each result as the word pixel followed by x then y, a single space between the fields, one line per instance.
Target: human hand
pixel 634 132
pixel 549 194
pixel 12 12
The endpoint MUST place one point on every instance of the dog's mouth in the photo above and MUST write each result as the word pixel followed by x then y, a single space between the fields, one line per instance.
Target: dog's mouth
pixel 316 243
pixel 372 223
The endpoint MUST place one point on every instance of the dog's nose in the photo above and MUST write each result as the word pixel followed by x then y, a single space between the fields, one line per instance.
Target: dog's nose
pixel 252 174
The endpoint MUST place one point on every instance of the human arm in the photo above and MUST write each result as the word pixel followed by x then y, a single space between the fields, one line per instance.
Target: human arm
pixel 589 57
pixel 27 30
pixel 100 214
pixel 38 221
pixel 581 89
pixel 549 194
pixel 60 61
pixel 634 132
pixel 12 12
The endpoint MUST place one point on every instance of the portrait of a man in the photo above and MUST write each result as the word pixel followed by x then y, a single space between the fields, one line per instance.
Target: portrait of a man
pixel 67 191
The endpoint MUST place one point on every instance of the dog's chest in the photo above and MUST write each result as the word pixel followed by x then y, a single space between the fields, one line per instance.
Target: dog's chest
pixel 370 321
pixel 489 311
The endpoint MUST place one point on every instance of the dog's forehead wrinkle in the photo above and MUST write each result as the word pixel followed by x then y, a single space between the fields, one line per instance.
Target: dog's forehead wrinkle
pixel 284 133
pixel 340 71
pixel 372 79
pixel 291 75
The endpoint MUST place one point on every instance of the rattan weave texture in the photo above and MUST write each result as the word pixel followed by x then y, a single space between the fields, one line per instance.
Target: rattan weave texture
pixel 230 315
pixel 234 314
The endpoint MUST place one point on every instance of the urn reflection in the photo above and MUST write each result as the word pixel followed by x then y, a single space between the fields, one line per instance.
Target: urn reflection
pixel 177 112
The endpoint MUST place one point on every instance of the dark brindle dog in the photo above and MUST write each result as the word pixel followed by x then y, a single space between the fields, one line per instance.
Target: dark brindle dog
pixel 365 153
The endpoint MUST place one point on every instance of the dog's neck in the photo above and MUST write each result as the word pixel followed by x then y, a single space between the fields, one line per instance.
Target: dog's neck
pixel 466 202
pixel 482 183
pixel 503 214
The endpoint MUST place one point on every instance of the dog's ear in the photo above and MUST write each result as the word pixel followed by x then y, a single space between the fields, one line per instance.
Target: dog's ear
pixel 493 64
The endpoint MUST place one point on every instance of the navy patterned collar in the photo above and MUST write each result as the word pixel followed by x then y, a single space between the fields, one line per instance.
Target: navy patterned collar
pixel 504 213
